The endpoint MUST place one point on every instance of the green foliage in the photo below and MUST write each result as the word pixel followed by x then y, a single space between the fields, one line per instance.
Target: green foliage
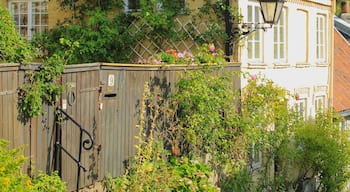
pixel 101 38
pixel 13 48
pixel 322 150
pixel 209 117
pixel 42 85
pixel 104 32
pixel 48 183
pixel 309 149
pixel 205 54
pixel 12 179
pixel 238 181
pixel 199 133
pixel 153 170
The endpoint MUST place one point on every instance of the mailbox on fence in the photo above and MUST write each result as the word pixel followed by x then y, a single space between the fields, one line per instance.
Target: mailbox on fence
pixel 110 82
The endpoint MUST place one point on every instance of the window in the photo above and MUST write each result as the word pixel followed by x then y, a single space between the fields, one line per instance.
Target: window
pixel 301 108
pixel 31 17
pixel 134 5
pixel 321 49
pixel 256 157
pixel 301 52
pixel 279 38
pixel 319 103
pixel 254 40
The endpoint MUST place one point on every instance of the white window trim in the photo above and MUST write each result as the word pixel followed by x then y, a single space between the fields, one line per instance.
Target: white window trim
pixel 322 99
pixel 324 37
pixel 126 7
pixel 29 13
pixel 127 10
pixel 279 59
pixel 250 39
pixel 297 104
pixel 256 164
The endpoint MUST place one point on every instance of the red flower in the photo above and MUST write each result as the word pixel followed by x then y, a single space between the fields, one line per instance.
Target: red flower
pixel 175 151
pixel 172 52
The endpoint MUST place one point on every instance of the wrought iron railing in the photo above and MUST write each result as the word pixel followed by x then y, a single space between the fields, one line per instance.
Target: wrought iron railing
pixel 86 144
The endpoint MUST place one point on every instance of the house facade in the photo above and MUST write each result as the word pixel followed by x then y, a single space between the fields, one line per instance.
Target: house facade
pixel 34 16
pixel 296 53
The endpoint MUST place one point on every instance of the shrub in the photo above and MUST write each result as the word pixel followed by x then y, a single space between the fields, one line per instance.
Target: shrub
pixel 322 150
pixel 205 54
pixel 12 179
pixel 154 169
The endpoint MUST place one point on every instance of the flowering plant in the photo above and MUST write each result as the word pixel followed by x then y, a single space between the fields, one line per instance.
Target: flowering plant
pixel 207 53
pixel 12 178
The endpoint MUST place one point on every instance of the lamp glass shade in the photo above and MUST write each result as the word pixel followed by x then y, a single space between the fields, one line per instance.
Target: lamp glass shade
pixel 271 10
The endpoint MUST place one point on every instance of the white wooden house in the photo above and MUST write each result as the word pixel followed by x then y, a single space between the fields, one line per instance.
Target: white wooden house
pixel 296 53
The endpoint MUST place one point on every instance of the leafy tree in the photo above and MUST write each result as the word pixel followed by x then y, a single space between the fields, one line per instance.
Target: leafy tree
pixel 322 150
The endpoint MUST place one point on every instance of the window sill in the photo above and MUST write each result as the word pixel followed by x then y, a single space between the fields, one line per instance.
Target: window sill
pixel 323 64
pixel 302 65
pixel 280 65
pixel 257 66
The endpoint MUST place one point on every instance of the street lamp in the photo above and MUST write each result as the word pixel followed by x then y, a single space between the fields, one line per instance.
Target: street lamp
pixel 271 10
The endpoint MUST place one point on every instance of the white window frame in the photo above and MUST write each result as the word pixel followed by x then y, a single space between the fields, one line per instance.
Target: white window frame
pixel 321 38
pixel 255 40
pixel 29 14
pixel 320 103
pixel 301 107
pixel 126 6
pixel 256 158
pixel 280 39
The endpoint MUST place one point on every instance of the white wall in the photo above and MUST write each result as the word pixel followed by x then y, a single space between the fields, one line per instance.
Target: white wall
pixel 301 72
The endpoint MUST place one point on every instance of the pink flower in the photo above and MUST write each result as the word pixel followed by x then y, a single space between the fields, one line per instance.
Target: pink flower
pixel 253 77
pixel 211 47
pixel 155 61
pixel 215 54
pixel 180 55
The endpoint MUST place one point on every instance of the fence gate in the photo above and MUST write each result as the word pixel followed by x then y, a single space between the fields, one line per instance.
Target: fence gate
pixel 77 136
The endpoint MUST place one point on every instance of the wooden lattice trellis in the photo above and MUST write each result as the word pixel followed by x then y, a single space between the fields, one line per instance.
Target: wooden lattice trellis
pixel 148 46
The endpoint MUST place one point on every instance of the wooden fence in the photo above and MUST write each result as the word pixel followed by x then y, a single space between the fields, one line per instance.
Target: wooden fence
pixel 103 98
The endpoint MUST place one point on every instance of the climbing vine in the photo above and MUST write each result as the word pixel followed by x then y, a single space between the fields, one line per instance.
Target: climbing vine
pixel 42 83
pixel 105 34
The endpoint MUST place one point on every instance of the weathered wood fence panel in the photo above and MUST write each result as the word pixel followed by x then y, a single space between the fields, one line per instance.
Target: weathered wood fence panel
pixel 8 105
pixel 104 99
pixel 80 101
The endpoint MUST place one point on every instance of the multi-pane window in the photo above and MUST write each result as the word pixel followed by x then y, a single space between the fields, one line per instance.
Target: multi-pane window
pixel 301 33
pixel 321 49
pixel 256 157
pixel 254 40
pixel 279 38
pixel 30 16
pixel 134 5
pixel 301 108
pixel 319 103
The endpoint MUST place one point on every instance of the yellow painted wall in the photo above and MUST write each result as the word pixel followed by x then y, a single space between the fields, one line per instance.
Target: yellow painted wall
pixel 54 13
